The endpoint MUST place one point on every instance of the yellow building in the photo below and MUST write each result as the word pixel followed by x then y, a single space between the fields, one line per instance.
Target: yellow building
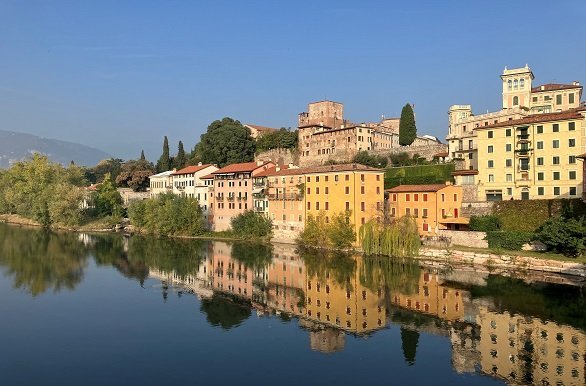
pixel 434 207
pixel 532 157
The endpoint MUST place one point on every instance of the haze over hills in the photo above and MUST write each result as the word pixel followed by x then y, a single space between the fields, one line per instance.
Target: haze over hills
pixel 18 146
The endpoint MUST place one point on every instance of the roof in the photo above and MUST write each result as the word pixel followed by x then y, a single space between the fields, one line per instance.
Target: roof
pixel 191 169
pixel 537 118
pixel 417 188
pixel 583 156
pixel 239 168
pixel 271 171
pixel 443 154
pixel 554 86
pixel 319 169
pixel 314 125
pixel 163 174
pixel 208 177
pixel 454 220
pixel 465 172
pixel 260 128
pixel 343 128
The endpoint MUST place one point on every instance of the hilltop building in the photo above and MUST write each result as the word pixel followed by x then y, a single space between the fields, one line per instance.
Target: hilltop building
pixel 526 150
pixel 257 131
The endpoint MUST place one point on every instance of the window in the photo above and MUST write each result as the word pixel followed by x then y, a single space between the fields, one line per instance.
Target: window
pixel 362 177
pixel 443 197
pixel 327 190
pixel 540 129
pixel 490 149
pixel 508 132
pixel 572 159
pixel 308 191
pixel 555 160
pixel 539 161
pixel 317 190
pixel 416 197
pixel 394 197
pixel 455 197
pixel 555 144
pixel 540 191
pixel 540 145
pixel 362 190
pixel 407 211
pixel 558 99
pixel 407 197
pixel 515 101
pixel 491 178
pixel 336 178
pixel 509 178
pixel 362 207
pixel 490 163
pixel 317 179
pixel 317 205
pixel 509 191
pixel 309 206
pixel 540 176
pixel 556 191
pixel 347 205
pixel 308 179
pixel 573 191
pixel 327 204
pixel 347 177
pixel 509 163
pixel 347 190
pixel 392 212
pixel 490 134
pixel 416 212
pixel 510 85
pixel 508 147
pixel 522 83
pixel 571 97
pixel 571 142
pixel 556 176
pixel 572 174
pixel 424 215
pixel 556 127
pixel 424 196
pixel 516 84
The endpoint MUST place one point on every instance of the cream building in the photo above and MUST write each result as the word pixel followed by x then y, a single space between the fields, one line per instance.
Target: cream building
pixel 188 182
pixel 522 104
pixel 161 183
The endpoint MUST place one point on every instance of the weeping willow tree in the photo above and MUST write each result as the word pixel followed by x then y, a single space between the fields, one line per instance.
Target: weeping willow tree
pixel 399 238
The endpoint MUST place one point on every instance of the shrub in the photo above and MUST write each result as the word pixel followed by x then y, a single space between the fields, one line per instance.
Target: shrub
pixel 512 241
pixel 338 233
pixel 567 236
pixel 485 223
pixel 252 224
pixel 365 158
pixel 341 232
pixel 314 234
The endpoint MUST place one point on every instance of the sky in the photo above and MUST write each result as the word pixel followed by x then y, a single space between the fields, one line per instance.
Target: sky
pixel 120 75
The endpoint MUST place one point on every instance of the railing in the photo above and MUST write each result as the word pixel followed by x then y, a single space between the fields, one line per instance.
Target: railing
pixel 523 136
pixel 231 198
pixel 219 198
pixel 259 209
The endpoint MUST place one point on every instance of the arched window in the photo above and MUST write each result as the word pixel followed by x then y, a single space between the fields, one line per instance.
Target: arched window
pixel 522 84
pixel 516 84
pixel 515 101
pixel 510 83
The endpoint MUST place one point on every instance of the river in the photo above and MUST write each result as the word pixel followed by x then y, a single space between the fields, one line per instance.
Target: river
pixel 79 309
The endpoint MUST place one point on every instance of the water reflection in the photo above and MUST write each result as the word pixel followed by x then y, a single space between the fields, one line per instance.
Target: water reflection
pixel 520 330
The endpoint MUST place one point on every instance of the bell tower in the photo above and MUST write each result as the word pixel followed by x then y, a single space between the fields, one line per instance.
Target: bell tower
pixel 517 87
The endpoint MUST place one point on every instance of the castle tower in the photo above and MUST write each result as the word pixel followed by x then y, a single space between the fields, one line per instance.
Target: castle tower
pixel 323 113
pixel 517 87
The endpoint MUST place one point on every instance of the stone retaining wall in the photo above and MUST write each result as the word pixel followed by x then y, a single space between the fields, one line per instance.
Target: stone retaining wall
pixel 465 238
pixel 279 156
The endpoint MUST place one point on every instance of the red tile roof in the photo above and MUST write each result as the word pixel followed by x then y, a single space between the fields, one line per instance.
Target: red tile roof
pixel 320 169
pixel 191 169
pixel 464 172
pixel 417 188
pixel 271 171
pixel 537 118
pixel 239 168
pixel 208 177
pixel 443 154
pixel 553 87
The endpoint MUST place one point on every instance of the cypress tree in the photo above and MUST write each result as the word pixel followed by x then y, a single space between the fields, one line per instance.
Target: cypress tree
pixel 142 157
pixel 407 129
pixel 164 163
pixel 180 159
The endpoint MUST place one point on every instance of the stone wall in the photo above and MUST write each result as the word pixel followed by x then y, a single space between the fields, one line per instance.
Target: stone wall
pixel 426 151
pixel 465 238
pixel 279 156
pixel 470 209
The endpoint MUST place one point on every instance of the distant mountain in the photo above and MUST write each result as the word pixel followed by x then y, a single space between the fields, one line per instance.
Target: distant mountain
pixel 18 146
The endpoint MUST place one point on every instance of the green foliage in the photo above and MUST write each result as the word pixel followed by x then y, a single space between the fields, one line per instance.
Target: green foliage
pixel 142 157
pixel 225 312
pixel 486 223
pixel 319 233
pixel 339 266
pixel 417 175
pixel 135 175
pixel 365 158
pixel 509 240
pixel 566 236
pixel 110 166
pixel 399 275
pixel 180 160
pixel 407 128
pixel 43 191
pixel 225 142
pixel 280 139
pixel 400 238
pixel 528 215
pixel 251 224
pixel 106 200
pixel 164 162
pixel 403 159
pixel 168 215
pixel 253 255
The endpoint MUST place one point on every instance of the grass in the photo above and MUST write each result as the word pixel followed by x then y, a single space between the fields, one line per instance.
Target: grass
pixel 539 255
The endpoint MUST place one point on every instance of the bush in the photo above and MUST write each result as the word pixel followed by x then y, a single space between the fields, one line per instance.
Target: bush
pixel 512 241
pixel 252 224
pixel 365 158
pixel 341 232
pixel 338 233
pixel 528 215
pixel 485 223
pixel 566 236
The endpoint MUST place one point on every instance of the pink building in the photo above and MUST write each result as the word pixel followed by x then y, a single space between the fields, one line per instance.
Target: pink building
pixel 233 188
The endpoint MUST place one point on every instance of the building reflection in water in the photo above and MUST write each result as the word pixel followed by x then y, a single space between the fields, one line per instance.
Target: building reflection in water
pixel 333 296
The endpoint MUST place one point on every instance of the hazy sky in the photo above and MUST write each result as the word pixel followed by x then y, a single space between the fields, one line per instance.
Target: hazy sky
pixel 119 75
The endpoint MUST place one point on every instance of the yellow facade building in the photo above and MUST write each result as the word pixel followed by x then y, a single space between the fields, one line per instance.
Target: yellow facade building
pixel 434 206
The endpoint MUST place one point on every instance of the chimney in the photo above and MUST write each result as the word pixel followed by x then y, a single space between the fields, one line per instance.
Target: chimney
pixel 575 83
pixel 290 165
pixel 542 88
pixel 278 168
pixel 199 164
pixel 259 163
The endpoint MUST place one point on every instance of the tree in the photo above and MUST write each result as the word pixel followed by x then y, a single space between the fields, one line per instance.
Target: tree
pixel 142 157
pixel 341 232
pixel 252 224
pixel 110 166
pixel 280 139
pixel 164 162
pixel 407 129
pixel 107 200
pixel 567 236
pixel 180 161
pixel 135 175
pixel 225 142
pixel 375 161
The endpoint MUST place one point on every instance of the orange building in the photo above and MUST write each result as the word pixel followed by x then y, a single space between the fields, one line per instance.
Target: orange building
pixel 233 187
pixel 434 207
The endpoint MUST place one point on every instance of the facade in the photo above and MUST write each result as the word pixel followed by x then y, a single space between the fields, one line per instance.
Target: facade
pixel 233 187
pixel 161 183
pixel 257 131
pixel 433 207
pixel 582 158
pixel 188 182
pixel 522 103
pixel 532 158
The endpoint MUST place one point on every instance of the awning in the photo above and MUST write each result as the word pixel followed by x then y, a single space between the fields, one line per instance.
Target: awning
pixel 257 190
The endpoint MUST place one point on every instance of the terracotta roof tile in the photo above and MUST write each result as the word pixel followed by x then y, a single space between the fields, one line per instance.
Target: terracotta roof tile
pixel 553 87
pixel 191 169
pixel 239 168
pixel 261 128
pixel 417 188
pixel 536 118
pixel 322 169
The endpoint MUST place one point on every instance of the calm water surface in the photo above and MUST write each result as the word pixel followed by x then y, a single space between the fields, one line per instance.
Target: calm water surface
pixel 108 310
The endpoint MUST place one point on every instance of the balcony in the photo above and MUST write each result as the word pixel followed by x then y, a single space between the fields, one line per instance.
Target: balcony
pixel 259 209
pixel 219 198
pixel 523 152
pixel 522 136
pixel 231 198
pixel 242 198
